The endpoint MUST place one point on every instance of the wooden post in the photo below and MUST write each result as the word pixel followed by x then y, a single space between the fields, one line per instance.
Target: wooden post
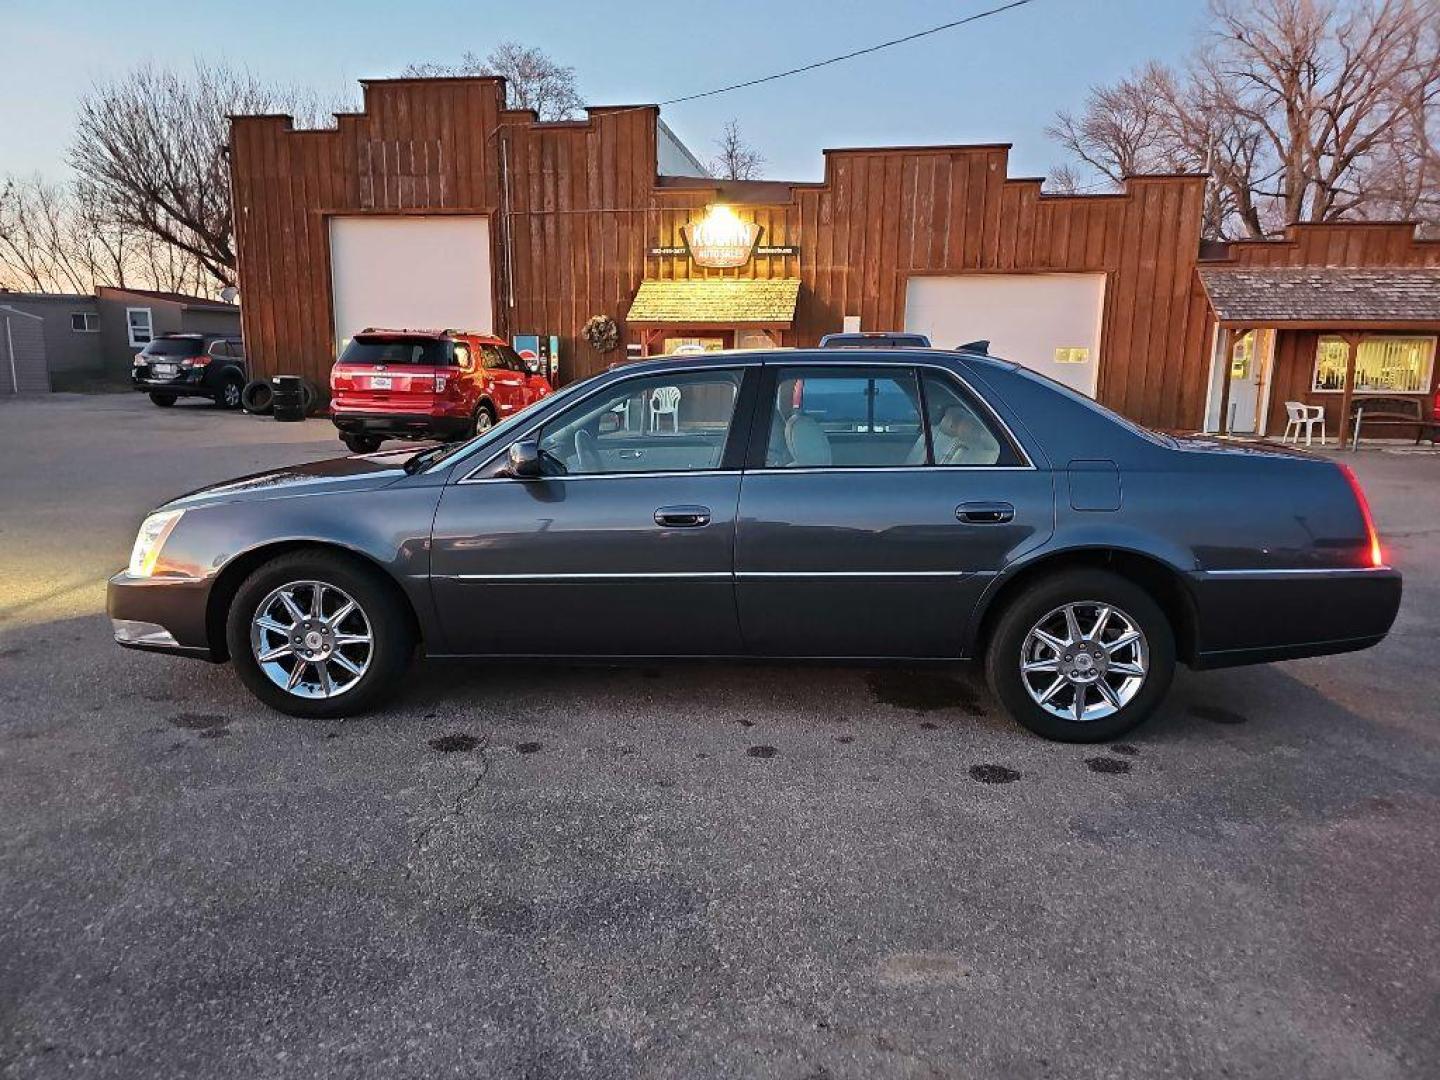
pixel 1227 354
pixel 1352 346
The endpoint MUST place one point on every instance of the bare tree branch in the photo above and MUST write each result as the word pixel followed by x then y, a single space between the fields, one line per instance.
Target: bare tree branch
pixel 533 80
pixel 737 159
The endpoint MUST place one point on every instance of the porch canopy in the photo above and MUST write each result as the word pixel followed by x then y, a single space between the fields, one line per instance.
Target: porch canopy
pixel 1347 301
pixel 719 302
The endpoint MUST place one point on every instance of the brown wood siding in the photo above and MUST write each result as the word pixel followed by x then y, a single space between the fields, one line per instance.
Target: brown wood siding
pixel 586 207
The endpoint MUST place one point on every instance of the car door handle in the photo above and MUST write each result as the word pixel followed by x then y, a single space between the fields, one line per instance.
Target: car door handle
pixel 682 517
pixel 985 513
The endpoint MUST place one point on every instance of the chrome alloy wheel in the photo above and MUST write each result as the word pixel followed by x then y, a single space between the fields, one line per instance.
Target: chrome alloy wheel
pixel 1084 661
pixel 311 639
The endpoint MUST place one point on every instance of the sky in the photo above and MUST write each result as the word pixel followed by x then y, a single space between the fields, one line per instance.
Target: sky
pixel 999 80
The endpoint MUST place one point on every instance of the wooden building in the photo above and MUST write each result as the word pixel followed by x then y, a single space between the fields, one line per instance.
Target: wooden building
pixel 436 206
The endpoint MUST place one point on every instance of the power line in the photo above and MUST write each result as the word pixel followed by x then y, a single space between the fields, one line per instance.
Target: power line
pixel 851 55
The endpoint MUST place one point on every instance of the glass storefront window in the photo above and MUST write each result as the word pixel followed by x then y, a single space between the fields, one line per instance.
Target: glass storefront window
pixel 1384 363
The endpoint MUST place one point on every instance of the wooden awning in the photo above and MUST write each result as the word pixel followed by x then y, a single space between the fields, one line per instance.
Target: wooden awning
pixel 764 304
pixel 1323 297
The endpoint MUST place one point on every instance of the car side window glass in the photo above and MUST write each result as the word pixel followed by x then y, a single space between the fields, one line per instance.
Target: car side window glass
pixel 845 417
pixel 960 433
pixel 663 423
pixel 492 357
pixel 462 355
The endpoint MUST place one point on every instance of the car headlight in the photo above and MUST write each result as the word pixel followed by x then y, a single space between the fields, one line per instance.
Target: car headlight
pixel 150 539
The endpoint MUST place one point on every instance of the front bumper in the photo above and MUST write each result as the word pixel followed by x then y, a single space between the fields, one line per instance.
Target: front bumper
pixel 403 425
pixel 161 614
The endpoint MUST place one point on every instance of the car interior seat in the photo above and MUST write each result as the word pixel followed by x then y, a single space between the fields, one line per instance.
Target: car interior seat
pixel 807 441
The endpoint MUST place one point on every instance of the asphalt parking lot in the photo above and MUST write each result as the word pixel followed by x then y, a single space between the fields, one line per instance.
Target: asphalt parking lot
pixel 691 871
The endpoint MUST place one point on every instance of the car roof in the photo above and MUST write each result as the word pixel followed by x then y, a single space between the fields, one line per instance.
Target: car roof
pixel 877 356
pixel 437 335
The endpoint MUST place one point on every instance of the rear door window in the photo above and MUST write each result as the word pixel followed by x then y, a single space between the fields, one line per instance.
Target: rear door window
pixel 961 432
pixel 845 417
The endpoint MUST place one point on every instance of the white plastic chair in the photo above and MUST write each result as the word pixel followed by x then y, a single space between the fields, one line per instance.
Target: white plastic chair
pixel 1299 415
pixel 665 401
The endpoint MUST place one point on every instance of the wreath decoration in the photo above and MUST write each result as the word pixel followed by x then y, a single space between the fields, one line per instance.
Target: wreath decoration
pixel 601 333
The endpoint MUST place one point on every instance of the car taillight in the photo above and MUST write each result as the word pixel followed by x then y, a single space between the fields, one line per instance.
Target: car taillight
pixel 195 361
pixel 1375 555
pixel 1435 407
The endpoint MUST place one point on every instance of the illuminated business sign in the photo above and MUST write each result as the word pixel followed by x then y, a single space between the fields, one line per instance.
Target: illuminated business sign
pixel 722 240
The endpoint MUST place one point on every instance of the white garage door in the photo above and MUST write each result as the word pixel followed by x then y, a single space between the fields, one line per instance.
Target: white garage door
pixel 1049 323
pixel 410 272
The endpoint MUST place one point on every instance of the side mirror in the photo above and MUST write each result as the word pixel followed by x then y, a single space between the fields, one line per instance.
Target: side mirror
pixel 525 462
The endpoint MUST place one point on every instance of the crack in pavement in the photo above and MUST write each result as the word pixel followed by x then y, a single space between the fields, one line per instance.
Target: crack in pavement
pixel 456 811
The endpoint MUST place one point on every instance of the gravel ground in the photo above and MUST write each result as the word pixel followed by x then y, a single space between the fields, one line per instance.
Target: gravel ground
pixel 687 871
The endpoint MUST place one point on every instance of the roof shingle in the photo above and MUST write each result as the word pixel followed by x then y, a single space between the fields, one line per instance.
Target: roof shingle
pixel 1323 293
pixel 720 301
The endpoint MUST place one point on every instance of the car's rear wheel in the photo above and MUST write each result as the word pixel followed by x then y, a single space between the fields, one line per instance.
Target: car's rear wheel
pixel 483 420
pixel 163 400
pixel 318 635
pixel 361 444
pixel 231 391
pixel 258 397
pixel 1082 656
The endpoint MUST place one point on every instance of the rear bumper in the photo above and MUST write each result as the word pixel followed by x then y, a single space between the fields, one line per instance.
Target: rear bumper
pixel 160 614
pixel 402 425
pixel 1255 616
pixel 178 386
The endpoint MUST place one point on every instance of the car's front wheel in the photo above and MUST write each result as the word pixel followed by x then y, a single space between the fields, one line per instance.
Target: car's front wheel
pixel 1082 656
pixel 318 635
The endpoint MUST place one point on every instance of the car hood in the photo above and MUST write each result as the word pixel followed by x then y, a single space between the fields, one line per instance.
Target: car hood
pixel 363 473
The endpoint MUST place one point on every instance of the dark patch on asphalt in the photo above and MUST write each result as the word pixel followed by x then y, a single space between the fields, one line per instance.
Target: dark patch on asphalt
pixel 505 915
pixel 1125 748
pixel 1107 765
pixel 760 751
pixel 214 733
pixel 332 734
pixel 199 721
pixel 745 723
pixel 527 747
pixel 993 774
pixel 928 725
pixel 923 691
pixel 7 654
pixel 1216 715
pixel 454 744
pixel 845 738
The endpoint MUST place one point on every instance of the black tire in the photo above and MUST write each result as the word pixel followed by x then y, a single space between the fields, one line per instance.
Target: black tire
pixel 483 420
pixel 163 400
pixel 361 444
pixel 230 395
pixel 310 399
pixel 1048 596
pixel 382 610
pixel 257 397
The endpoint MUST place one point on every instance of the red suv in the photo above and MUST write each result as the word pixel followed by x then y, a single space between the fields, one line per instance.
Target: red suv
pixel 426 384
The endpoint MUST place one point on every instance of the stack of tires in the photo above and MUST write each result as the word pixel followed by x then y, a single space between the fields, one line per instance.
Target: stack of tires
pixel 283 393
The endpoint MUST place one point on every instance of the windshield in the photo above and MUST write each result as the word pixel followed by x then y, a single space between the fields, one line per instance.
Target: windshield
pixel 174 347
pixel 398 352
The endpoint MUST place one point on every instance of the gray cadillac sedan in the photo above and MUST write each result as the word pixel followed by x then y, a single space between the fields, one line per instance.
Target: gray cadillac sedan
pixel 914 504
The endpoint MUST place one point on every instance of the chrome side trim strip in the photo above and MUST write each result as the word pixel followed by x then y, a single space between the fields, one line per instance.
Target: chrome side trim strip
pixel 603 476
pixel 766 574
pixel 933 470
pixel 1303 571
pixel 716 575
pixel 635 576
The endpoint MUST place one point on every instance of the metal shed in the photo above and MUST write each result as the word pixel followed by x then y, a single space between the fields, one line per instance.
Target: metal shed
pixel 22 352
